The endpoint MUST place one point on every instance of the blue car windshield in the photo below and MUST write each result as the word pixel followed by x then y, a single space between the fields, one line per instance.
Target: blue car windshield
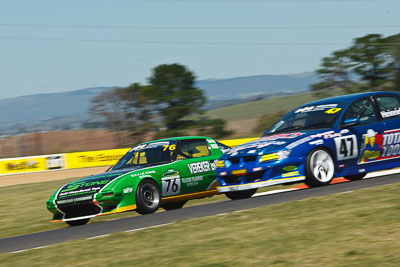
pixel 147 155
pixel 308 117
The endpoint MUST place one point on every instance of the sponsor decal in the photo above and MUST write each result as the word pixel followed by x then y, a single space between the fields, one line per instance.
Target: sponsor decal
pixel 289 168
pixel 88 186
pixel 331 108
pixel 289 174
pixel 203 166
pixel 150 145
pixel 324 135
pixel 317 142
pixel 127 190
pixel 214 146
pixel 377 147
pixel 142 174
pixel 390 113
pixel 280 136
pixel 259 143
pixel 192 181
pixel 269 157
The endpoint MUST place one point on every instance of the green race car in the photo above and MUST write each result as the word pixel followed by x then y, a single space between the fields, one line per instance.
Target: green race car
pixel 165 173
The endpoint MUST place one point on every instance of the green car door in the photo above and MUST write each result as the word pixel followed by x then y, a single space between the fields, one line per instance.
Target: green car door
pixel 197 172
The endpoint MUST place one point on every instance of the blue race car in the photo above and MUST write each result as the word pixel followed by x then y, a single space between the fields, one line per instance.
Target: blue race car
pixel 345 136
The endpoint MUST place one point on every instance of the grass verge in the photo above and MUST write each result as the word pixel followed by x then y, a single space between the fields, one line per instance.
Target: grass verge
pixel 256 108
pixel 359 228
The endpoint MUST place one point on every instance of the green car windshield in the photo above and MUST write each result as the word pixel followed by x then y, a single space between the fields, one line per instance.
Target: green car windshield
pixel 147 155
pixel 308 117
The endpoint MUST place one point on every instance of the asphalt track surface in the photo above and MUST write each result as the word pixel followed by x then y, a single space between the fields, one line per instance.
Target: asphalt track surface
pixel 47 238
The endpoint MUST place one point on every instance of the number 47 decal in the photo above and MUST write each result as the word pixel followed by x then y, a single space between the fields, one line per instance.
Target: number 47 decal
pixel 346 147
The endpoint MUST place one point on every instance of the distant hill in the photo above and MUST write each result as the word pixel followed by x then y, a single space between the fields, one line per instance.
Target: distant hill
pixel 247 87
pixel 46 112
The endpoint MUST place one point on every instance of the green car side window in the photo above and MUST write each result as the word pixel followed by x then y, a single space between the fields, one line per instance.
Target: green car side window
pixel 195 148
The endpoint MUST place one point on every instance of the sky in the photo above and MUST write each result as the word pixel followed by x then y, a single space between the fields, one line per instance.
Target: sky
pixel 49 46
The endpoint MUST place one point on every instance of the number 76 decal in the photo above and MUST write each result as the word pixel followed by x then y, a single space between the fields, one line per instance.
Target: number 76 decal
pixel 346 147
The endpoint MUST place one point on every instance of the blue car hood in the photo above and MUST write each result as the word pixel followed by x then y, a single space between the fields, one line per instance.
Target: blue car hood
pixel 276 142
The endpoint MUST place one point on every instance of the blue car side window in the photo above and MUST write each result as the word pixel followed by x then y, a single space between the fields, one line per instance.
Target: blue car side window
pixel 389 107
pixel 363 110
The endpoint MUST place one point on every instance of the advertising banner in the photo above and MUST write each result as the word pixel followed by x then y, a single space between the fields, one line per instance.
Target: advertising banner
pixel 32 164
pixel 94 158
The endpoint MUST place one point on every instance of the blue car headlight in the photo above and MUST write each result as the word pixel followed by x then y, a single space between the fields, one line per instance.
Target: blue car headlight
pixel 283 154
pixel 223 163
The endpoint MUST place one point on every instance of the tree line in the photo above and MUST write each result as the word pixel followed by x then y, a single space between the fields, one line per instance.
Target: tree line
pixel 169 105
pixel 371 63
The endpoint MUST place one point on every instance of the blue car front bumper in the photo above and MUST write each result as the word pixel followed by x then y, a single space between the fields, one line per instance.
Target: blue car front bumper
pixel 252 174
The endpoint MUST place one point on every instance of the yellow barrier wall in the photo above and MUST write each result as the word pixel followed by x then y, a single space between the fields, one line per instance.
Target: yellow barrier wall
pixel 236 142
pixel 32 164
pixel 94 158
pixel 77 159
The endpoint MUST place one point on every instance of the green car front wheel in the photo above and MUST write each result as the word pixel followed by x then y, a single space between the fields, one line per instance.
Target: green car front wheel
pixel 147 197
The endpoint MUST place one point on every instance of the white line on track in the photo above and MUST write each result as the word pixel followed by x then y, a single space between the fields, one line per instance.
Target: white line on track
pixel 369 175
pixel 382 173
pixel 274 192
pixel 348 192
pixel 138 229
pixel 18 251
pixel 93 237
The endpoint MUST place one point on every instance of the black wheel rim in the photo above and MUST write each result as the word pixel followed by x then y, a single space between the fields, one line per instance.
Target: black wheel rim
pixel 149 195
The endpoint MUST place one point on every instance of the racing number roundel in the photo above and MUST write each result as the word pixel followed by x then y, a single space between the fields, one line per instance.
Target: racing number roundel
pixel 171 185
pixel 346 147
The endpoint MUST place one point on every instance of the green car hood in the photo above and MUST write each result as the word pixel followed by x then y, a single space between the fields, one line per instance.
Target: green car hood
pixel 89 185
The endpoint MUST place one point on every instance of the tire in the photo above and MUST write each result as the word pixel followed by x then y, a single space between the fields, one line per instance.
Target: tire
pixel 355 177
pixel 147 197
pixel 241 194
pixel 77 222
pixel 320 168
pixel 173 205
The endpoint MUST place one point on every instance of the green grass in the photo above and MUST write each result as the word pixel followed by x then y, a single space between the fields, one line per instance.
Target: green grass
pixel 23 208
pixel 256 108
pixel 360 228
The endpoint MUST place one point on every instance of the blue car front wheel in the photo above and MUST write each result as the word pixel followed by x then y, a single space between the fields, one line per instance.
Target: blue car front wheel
pixel 320 168
pixel 241 194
